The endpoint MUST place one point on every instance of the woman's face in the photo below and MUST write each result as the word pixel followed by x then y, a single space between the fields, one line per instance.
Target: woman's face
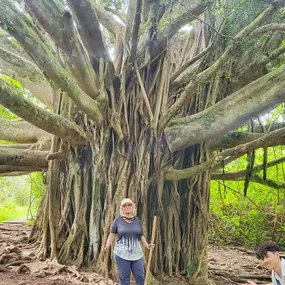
pixel 127 208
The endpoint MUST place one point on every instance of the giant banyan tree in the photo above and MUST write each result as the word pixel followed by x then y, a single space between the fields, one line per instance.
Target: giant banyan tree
pixel 132 99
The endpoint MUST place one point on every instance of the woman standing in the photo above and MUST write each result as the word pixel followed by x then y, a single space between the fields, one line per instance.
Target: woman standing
pixel 128 250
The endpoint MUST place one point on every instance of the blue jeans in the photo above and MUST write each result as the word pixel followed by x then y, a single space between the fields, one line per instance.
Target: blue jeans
pixel 126 266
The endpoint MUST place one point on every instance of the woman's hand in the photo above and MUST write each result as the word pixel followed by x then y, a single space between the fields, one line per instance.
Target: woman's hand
pixel 146 244
pixel 104 250
pixel 109 242
pixel 150 245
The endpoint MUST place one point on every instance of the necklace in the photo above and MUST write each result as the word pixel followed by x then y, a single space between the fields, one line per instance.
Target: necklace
pixel 129 220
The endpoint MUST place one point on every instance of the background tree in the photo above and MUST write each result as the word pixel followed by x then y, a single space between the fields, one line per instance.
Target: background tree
pixel 135 107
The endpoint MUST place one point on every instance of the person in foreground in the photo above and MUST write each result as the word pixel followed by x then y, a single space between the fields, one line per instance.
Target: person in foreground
pixel 270 255
pixel 128 250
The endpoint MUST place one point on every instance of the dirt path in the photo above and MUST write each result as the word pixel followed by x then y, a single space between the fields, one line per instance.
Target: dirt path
pixel 19 266
pixel 235 265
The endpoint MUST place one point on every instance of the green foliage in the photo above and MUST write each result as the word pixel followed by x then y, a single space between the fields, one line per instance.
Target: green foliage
pixel 10 211
pixel 12 81
pixel 20 195
pixel 6 114
pixel 5 142
pixel 37 190
pixel 236 14
pixel 117 5
pixel 260 216
pixel 232 16
pixel 30 223
pixel 253 219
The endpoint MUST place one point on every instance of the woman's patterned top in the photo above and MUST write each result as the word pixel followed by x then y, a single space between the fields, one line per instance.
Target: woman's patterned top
pixel 128 245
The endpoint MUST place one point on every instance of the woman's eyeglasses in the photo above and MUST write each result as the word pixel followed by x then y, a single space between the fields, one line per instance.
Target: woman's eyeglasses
pixel 127 205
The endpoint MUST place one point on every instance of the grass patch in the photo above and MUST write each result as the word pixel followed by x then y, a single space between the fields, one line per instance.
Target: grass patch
pixel 9 211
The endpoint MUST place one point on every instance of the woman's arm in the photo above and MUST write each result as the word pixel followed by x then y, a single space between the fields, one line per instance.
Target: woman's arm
pixel 146 244
pixel 109 242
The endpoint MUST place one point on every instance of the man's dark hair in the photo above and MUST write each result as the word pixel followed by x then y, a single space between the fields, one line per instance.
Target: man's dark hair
pixel 268 246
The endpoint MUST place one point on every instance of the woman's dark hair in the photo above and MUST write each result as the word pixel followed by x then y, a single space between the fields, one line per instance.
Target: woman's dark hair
pixel 268 246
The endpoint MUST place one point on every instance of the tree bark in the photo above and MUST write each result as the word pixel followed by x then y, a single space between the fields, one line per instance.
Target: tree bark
pixel 237 108
pixel 22 158
pixel 12 99
pixel 45 57
pixel 11 170
pixel 264 141
pixel 58 22
pixel 242 173
pixel 20 131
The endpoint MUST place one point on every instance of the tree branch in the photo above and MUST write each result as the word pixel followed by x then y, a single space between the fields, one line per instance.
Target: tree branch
pixel 13 100
pixel 4 34
pixel 177 23
pixel 268 182
pixel 233 139
pixel 116 13
pixel 19 131
pixel 157 41
pixel 236 138
pixel 248 72
pixel 210 71
pixel 14 171
pixel 23 158
pixel 116 28
pixel 226 161
pixel 58 23
pixel 242 173
pixel 28 74
pixel 148 107
pixel 10 170
pixel 135 29
pixel 19 61
pixel 189 62
pixel 237 108
pixel 28 35
pixel 271 56
pixel 19 146
pixel 257 179
pixel 90 32
pixel 108 20
pixel 130 20
pixel 265 141
pixel 266 28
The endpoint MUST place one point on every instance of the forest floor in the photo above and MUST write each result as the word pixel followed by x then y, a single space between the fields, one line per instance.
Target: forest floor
pixel 18 265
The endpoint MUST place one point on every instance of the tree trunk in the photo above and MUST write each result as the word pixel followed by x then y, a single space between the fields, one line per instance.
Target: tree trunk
pixel 85 189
